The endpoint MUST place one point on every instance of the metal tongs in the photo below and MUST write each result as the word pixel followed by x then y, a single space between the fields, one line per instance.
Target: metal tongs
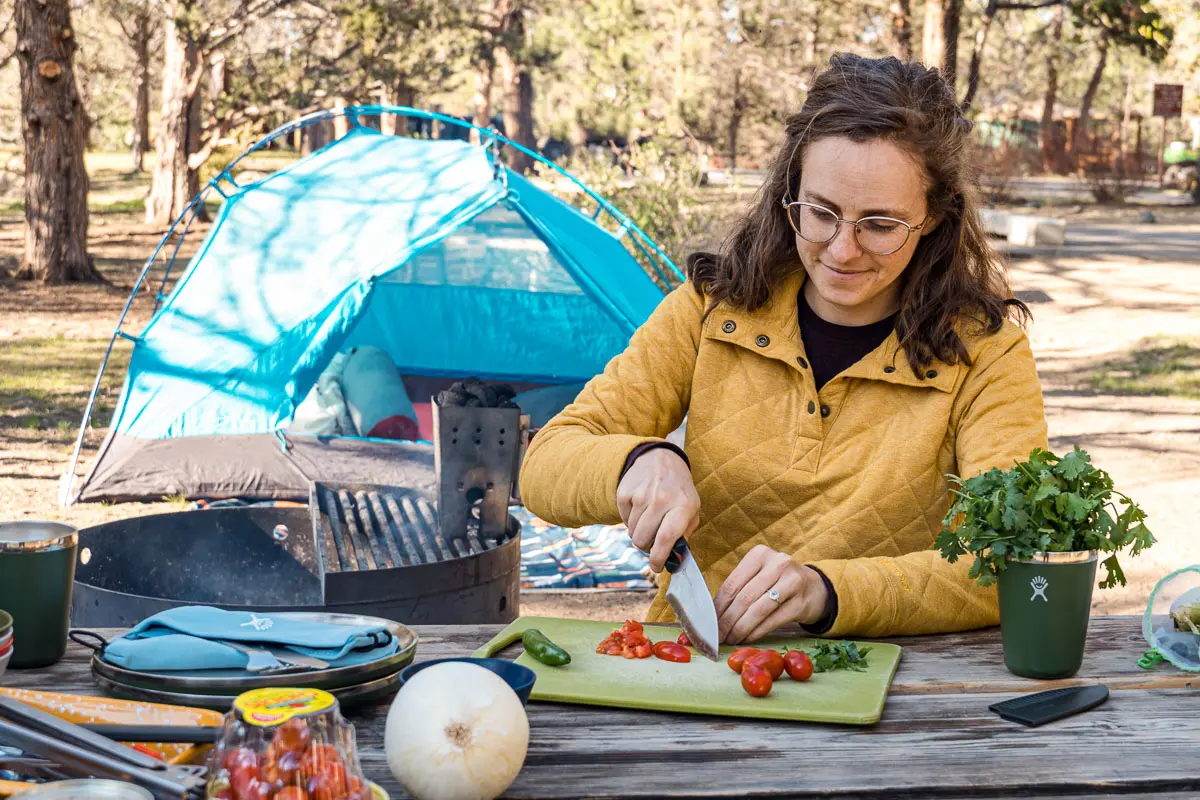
pixel 75 751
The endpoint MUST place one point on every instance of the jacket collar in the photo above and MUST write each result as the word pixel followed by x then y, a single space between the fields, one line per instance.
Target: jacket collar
pixel 779 322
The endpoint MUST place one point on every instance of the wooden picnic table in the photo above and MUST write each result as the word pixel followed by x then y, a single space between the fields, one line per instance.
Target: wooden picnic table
pixel 936 737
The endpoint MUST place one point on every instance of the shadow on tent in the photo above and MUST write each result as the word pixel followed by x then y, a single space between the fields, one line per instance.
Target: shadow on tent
pixel 429 253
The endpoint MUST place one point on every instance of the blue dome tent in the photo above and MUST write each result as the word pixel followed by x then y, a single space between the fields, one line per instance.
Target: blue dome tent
pixel 431 250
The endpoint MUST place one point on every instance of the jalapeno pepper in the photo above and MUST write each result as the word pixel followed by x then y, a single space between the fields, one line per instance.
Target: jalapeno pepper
pixel 544 650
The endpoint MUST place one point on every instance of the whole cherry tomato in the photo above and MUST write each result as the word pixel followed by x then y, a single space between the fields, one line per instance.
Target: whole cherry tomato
pixel 328 785
pixel 292 736
pixel 241 778
pixel 756 680
pixel 268 766
pixel 738 657
pixel 684 640
pixel 288 766
pixel 770 660
pixel 318 758
pixel 240 756
pixel 798 665
pixel 670 651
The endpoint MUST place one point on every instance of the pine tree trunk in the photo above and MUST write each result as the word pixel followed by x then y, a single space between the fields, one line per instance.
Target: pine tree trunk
pixel 812 36
pixel 735 119
pixel 933 46
pixel 1079 143
pixel 1051 149
pixel 52 125
pixel 675 119
pixel 985 24
pixel 902 45
pixel 387 122
pixel 952 14
pixel 517 87
pixel 406 97
pixel 482 101
pixel 141 93
pixel 175 181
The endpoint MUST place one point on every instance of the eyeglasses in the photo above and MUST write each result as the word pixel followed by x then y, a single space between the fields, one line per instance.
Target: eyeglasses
pixel 817 224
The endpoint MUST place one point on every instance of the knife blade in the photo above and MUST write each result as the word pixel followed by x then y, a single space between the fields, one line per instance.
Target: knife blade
pixel 289 656
pixel 690 599
pixel 269 658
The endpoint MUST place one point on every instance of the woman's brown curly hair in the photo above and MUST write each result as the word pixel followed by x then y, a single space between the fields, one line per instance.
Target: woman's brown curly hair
pixel 954 274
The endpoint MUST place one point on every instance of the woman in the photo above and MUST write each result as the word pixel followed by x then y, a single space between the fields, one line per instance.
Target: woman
pixel 848 348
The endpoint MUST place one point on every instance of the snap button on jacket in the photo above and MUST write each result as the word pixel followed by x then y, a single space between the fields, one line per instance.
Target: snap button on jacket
pixel 859 493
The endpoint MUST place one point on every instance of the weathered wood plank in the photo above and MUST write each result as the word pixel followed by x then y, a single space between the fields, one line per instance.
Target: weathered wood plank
pixel 974 662
pixel 952 663
pixel 925 746
pixel 936 738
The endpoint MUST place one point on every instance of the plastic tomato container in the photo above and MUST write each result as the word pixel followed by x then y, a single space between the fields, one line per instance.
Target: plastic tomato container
pixel 287 744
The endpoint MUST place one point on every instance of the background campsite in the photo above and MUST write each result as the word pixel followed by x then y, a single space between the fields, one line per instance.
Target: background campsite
pixel 663 108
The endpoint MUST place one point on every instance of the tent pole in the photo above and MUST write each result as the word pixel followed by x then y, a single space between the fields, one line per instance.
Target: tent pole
pixel 66 484
pixel 158 297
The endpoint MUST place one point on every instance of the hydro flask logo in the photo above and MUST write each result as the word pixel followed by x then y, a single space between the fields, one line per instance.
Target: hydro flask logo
pixel 258 623
pixel 1039 585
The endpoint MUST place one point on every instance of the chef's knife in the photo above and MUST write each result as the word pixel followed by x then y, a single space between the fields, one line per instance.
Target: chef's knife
pixel 689 597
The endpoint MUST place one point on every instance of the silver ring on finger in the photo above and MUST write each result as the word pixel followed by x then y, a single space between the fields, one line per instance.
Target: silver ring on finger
pixel 773 594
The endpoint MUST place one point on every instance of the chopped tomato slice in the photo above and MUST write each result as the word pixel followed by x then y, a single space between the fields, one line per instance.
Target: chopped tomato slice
pixel 629 641
pixel 672 651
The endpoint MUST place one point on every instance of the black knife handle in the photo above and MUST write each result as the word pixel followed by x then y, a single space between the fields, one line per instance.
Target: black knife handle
pixel 675 557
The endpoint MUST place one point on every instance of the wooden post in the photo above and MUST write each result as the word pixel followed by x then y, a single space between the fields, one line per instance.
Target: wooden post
pixel 341 124
pixel 1138 147
pixel 1162 146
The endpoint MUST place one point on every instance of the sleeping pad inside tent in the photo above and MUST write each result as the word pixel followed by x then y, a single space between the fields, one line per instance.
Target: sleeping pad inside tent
pixel 426 251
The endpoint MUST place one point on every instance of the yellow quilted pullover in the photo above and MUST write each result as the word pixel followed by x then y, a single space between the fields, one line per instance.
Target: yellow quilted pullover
pixel 850 479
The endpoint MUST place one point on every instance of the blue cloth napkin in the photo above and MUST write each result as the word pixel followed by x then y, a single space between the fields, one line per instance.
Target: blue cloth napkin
pixel 188 638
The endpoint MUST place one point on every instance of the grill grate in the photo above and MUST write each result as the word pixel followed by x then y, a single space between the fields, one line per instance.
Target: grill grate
pixel 371 529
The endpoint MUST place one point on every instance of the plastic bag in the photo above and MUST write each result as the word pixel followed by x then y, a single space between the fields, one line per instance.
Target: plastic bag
pixel 1172 621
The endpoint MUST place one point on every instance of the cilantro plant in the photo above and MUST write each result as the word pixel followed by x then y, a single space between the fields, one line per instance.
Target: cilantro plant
pixel 1046 504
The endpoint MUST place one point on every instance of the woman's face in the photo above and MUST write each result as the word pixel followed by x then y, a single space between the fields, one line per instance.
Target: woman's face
pixel 848 285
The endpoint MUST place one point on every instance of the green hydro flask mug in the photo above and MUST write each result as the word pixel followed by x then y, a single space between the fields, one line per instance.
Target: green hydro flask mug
pixel 37 573
pixel 1045 605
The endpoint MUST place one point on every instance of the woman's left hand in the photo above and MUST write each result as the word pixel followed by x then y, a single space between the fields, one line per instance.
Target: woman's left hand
pixel 766 590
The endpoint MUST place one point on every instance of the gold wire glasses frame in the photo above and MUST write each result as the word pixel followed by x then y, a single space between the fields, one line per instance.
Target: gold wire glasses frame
pixel 787 207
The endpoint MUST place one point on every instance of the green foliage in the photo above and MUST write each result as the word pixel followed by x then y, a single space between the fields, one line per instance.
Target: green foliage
pixel 828 656
pixel 1045 504
pixel 1130 23
pixel 654 185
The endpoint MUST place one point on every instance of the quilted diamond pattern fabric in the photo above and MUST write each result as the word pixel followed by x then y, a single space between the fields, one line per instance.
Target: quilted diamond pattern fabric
pixel 850 479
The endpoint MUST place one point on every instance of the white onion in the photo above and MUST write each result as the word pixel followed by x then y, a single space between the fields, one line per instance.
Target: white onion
pixel 456 731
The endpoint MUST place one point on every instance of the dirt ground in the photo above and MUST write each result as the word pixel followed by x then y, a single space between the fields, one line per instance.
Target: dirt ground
pixel 1096 300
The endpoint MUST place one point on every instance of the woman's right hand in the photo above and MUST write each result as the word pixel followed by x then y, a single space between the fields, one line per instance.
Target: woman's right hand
pixel 658 502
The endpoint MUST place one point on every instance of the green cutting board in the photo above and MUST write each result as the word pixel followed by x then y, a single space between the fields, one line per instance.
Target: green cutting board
pixel 699 686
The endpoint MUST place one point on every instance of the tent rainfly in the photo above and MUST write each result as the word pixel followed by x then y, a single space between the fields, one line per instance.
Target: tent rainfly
pixel 430 250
